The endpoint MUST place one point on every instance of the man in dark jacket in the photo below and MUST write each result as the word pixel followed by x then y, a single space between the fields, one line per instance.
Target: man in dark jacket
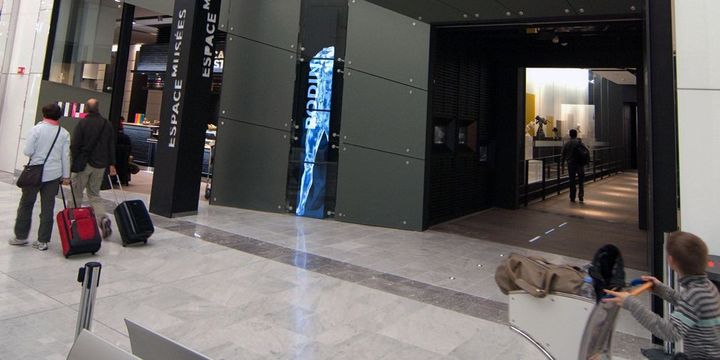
pixel 93 151
pixel 576 165
pixel 122 155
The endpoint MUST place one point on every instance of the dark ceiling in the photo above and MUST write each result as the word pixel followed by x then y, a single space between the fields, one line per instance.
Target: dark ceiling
pixel 478 11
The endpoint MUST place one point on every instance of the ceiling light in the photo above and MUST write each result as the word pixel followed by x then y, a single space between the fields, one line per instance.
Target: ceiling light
pixel 567 11
pixel 521 13
pixel 581 10
pixel 556 40
pixel 633 8
pixel 508 13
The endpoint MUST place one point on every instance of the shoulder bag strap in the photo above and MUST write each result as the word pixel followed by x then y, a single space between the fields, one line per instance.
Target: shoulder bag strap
pixel 53 144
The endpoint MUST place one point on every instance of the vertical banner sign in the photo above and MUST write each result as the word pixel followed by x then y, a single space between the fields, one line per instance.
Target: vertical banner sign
pixel 311 197
pixel 184 114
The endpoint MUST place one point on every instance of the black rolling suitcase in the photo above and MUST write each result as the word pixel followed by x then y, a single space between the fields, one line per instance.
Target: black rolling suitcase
pixel 133 220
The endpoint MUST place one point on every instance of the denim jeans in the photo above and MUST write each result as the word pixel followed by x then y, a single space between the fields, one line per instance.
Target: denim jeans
pixel 48 191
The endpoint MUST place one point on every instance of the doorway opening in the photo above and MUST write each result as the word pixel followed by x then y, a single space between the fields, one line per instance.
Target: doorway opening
pixel 502 103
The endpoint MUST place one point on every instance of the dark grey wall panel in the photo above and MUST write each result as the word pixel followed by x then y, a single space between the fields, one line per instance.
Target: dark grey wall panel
pixel 377 188
pixel 384 115
pixel 425 10
pixel 273 22
pixel 479 10
pixel 387 44
pixel 251 167
pixel 608 7
pixel 224 15
pixel 544 8
pixel 259 84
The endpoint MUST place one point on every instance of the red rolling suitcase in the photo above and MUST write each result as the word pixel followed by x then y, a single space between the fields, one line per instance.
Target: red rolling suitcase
pixel 79 233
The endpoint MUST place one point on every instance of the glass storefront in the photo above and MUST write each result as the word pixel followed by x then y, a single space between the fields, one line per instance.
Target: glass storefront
pixel 82 49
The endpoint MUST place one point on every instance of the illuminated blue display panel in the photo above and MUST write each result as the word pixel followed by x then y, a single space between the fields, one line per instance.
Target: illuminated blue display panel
pixel 316 136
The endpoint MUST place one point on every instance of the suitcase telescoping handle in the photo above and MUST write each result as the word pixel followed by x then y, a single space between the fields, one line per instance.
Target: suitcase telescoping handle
pixel 72 191
pixel 117 202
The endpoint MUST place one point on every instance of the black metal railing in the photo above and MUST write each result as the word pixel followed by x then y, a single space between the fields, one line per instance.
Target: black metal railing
pixel 548 176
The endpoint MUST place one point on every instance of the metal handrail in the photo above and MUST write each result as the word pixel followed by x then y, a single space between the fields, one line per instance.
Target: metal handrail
pixel 604 161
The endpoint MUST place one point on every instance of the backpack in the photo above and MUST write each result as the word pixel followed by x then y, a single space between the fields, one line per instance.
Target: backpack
pixel 537 276
pixel 607 270
pixel 582 154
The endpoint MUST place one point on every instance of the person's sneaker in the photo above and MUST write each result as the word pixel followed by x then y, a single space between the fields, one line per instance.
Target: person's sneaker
pixel 15 241
pixel 582 199
pixel 42 246
pixel 35 244
pixel 106 227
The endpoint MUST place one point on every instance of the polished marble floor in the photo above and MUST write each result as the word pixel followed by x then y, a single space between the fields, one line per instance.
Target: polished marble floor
pixel 237 284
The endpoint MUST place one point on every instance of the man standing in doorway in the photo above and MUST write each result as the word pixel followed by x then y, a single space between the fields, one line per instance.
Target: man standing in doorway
pixel 577 156
pixel 93 151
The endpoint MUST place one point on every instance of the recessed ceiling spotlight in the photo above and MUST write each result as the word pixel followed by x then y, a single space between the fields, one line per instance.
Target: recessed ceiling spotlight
pixel 567 11
pixel 465 15
pixel 556 40
pixel 581 10
pixel 477 15
pixel 521 13
pixel 508 14
pixel 633 8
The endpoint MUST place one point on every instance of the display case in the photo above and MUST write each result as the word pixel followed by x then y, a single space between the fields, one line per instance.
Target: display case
pixel 144 140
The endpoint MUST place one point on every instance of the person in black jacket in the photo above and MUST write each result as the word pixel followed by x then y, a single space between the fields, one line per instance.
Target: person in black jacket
pixel 576 165
pixel 93 151
pixel 122 155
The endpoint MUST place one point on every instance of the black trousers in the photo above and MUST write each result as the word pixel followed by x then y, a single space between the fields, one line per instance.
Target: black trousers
pixel 577 179
pixel 48 191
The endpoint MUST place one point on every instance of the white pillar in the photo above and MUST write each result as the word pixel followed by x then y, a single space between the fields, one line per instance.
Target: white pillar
pixel 24 28
pixel 698 92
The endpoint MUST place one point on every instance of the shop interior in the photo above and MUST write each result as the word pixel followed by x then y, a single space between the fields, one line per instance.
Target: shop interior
pixel 502 104
pixel 143 95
